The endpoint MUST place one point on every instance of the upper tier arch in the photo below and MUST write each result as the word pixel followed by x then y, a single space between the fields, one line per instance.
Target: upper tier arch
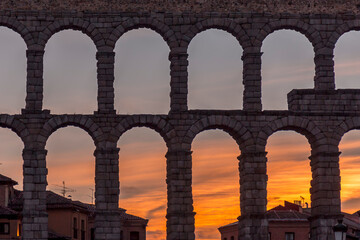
pixel 341 30
pixel 72 24
pixel 19 28
pixel 226 25
pixel 298 25
pixel 135 23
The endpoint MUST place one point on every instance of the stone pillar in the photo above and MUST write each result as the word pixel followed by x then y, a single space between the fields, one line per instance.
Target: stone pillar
pixel 35 219
pixel 105 76
pixel 34 84
pixel 252 79
pixel 325 194
pixel 253 196
pixel 179 80
pixel 107 218
pixel 324 69
pixel 180 212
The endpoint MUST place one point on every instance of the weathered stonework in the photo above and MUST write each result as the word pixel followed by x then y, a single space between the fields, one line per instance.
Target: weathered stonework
pixel 273 6
pixel 322 114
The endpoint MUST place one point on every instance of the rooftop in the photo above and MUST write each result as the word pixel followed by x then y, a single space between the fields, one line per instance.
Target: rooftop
pixel 8 213
pixel 56 201
pixel 6 180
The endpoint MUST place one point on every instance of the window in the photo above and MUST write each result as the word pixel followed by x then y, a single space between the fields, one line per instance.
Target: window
pixel 82 230
pixel 289 236
pixel 269 236
pixel 121 235
pixel 134 236
pixel 92 233
pixel 4 228
pixel 75 228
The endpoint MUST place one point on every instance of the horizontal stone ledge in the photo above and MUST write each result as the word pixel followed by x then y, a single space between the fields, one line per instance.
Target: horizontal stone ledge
pixel 335 101
pixel 218 7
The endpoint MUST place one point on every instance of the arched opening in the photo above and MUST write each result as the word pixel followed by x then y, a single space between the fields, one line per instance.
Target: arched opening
pixel 289 171
pixel 71 183
pixel 142 73
pixel 11 161
pixel 289 176
pixel 142 169
pixel 12 71
pixel 215 71
pixel 215 183
pixel 70 84
pixel 347 61
pixel 11 182
pixel 287 64
pixel 70 159
pixel 349 172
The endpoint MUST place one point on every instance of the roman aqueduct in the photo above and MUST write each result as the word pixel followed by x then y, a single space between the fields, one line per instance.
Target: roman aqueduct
pixel 322 114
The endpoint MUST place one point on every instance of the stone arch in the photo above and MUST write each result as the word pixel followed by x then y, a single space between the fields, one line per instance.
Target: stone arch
pixel 19 28
pixel 234 128
pixel 81 121
pixel 290 24
pixel 7 121
pixel 226 25
pixel 135 23
pixel 341 30
pixel 72 24
pixel 343 128
pixel 298 124
pixel 159 124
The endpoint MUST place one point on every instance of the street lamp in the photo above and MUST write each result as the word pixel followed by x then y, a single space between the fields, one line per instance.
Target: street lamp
pixel 340 231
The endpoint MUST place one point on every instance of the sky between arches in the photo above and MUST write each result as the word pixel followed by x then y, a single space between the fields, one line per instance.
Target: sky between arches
pixel 215 81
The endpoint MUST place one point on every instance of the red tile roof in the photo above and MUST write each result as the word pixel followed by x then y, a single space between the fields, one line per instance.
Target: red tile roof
pixel 56 201
pixel 286 215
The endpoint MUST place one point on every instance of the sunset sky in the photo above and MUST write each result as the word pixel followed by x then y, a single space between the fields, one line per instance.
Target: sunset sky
pixel 142 86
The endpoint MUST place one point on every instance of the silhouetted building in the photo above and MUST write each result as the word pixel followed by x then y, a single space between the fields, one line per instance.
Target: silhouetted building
pixel 291 222
pixel 67 219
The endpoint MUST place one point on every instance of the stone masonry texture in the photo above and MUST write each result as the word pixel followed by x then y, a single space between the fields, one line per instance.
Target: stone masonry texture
pixel 322 114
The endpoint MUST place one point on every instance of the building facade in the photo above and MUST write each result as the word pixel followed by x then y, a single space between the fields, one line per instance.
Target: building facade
pixel 291 222
pixel 67 219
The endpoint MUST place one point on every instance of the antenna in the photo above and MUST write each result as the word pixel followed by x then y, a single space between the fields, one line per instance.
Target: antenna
pixel 63 189
pixel 302 200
